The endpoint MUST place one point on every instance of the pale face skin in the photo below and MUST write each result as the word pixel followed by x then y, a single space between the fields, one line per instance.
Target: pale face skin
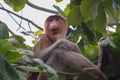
pixel 55 27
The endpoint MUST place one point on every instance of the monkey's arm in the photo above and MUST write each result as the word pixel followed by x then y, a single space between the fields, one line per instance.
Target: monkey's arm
pixel 61 43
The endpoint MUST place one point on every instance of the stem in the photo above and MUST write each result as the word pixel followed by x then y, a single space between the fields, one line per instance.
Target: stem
pixel 22 18
pixel 40 8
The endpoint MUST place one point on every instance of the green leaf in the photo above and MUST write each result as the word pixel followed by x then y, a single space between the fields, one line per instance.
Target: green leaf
pixel 109 10
pixel 7 70
pixel 3 31
pixel 6 46
pixel 9 51
pixel 12 40
pixel 112 43
pixel 67 10
pixel 88 50
pixel 74 3
pixel 118 27
pixel 24 51
pixel 22 75
pixel 28 68
pixel 19 38
pixel 2 77
pixel 107 41
pixel 115 5
pixel 89 9
pixel 17 5
pixel 111 14
pixel 89 33
pixel 100 21
pixel 13 57
pixel 73 34
pixel 91 52
pixel 39 32
pixel 27 59
pixel 18 41
pixel 118 2
pixel 37 49
pixel 74 17
pixel 116 38
pixel 59 0
pixel 51 72
pixel 98 35
pixel 95 29
pixel 59 10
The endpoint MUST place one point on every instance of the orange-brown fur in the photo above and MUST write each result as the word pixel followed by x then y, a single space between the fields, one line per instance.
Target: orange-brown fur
pixel 55 27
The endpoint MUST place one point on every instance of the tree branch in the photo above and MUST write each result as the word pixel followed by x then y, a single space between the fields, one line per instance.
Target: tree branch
pixel 13 18
pixel 40 8
pixel 22 18
pixel 11 31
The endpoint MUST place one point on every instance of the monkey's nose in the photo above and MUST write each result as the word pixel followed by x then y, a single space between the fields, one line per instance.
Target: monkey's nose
pixel 54 29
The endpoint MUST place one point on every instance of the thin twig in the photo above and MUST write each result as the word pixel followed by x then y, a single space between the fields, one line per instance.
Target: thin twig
pixel 13 18
pixel 40 8
pixel 11 31
pixel 22 18
pixel 29 26
pixel 20 23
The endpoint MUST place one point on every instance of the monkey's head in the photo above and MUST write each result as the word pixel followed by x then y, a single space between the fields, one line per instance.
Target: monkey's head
pixel 55 27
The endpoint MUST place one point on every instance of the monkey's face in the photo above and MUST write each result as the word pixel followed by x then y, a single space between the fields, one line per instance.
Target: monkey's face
pixel 55 27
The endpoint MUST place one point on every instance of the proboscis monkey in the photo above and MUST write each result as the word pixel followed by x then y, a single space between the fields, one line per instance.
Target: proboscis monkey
pixel 55 27
pixel 65 53
pixel 60 53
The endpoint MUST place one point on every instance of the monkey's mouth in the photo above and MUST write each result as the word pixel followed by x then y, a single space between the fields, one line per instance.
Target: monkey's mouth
pixel 55 31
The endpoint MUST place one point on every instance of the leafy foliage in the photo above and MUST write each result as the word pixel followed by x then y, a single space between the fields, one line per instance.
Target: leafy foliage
pixel 89 21
pixel 74 17
pixel 10 53
pixel 89 9
pixel 7 71
pixel 59 0
pixel 41 67
pixel 17 5
pixel 3 31
pixel 51 72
